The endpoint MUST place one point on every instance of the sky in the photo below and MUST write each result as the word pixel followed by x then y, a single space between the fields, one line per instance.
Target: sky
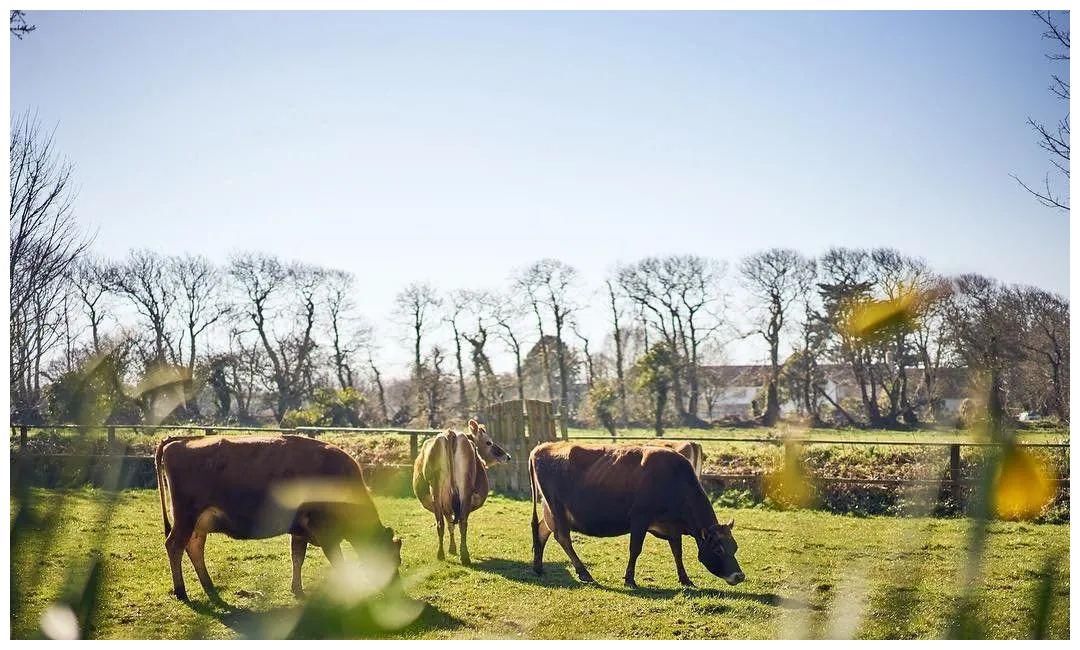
pixel 456 147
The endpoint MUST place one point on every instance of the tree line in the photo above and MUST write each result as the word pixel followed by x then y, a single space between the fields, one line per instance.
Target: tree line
pixel 257 338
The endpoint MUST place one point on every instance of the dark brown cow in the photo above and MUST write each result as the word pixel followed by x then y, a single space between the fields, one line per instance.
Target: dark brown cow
pixel 450 479
pixel 254 487
pixel 611 491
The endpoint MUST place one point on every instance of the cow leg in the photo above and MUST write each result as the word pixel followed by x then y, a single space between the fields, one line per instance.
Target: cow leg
pixel 541 533
pixel 464 525
pixel 441 527
pixel 637 539
pixel 453 547
pixel 196 548
pixel 332 550
pixel 175 544
pixel 676 552
pixel 561 527
pixel 299 553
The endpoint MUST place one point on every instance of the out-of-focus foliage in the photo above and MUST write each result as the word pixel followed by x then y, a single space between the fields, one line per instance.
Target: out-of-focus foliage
pixel 1022 485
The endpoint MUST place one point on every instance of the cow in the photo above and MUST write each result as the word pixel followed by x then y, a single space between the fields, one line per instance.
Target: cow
pixel 611 491
pixel 450 479
pixel 255 487
pixel 692 451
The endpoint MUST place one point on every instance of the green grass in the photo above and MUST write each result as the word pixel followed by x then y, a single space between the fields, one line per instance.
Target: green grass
pixel 802 569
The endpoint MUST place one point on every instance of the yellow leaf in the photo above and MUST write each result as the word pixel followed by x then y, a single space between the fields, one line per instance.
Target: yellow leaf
pixel 1022 486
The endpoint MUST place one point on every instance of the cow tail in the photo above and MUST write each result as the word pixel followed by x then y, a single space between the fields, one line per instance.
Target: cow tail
pixel 159 470
pixel 455 506
pixel 534 491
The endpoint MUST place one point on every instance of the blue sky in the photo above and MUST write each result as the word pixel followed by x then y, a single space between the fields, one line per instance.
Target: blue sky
pixel 453 147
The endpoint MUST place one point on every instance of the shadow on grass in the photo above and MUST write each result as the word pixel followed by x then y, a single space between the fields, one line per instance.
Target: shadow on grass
pixel 313 620
pixel 555 574
pixel 769 600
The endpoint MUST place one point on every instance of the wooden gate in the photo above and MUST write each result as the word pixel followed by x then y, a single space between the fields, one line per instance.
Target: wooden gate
pixel 517 427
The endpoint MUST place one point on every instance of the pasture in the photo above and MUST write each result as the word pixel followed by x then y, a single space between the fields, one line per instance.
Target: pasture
pixel 807 573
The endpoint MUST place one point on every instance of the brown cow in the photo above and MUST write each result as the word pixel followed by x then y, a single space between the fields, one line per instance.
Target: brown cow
pixel 692 451
pixel 611 491
pixel 254 487
pixel 450 479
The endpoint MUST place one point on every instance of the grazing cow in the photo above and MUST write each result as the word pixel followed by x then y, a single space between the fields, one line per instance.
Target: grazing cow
pixel 450 479
pixel 611 491
pixel 254 487
pixel 692 451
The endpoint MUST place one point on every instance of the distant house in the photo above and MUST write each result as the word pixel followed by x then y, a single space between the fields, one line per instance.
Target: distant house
pixel 731 391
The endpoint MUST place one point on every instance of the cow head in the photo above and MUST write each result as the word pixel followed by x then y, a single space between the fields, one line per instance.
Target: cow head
pixel 716 550
pixel 490 452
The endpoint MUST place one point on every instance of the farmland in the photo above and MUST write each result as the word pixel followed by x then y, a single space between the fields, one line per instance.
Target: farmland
pixel 807 572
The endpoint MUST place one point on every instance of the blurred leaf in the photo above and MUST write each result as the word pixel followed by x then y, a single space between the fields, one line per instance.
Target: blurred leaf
pixel 1044 598
pixel 790 486
pixel 1022 486
pixel 876 317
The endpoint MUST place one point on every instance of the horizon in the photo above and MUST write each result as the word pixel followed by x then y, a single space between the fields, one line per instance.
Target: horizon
pixel 734 132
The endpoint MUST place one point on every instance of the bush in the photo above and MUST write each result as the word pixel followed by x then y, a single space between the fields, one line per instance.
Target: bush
pixel 329 408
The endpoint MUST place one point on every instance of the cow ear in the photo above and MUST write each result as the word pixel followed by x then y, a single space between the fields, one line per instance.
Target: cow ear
pixel 474 426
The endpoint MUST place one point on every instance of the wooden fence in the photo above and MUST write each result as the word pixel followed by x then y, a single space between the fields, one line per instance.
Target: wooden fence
pixel 519 426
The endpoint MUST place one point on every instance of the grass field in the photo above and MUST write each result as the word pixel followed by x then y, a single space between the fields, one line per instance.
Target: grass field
pixel 803 578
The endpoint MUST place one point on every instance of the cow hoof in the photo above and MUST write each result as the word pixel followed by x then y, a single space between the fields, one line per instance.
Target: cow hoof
pixel 538 570
pixel 181 595
pixel 453 551
pixel 629 582
pixel 298 592
pixel 687 583
pixel 584 576
pixel 440 555
pixel 465 560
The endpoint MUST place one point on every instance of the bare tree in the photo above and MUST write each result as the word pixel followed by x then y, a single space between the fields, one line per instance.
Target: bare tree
pixel 90 284
pixel 17 24
pixel 414 305
pixel 507 315
pixel 552 283
pixel 45 241
pixel 338 291
pixel 200 286
pixel 432 386
pixel 379 388
pixel 620 358
pixel 146 280
pixel 268 287
pixel 679 297
pixel 479 306
pixel 458 305
pixel 1054 139
pixel 776 278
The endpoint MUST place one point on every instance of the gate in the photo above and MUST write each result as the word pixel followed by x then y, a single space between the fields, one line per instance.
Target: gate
pixel 517 427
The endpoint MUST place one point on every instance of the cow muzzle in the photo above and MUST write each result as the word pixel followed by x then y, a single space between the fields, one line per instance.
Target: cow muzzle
pixel 735 578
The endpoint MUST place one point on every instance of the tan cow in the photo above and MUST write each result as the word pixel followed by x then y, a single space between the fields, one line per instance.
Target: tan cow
pixel 692 451
pixel 450 479
pixel 610 491
pixel 254 487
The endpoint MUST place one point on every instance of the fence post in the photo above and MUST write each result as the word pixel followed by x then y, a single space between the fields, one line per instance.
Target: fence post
pixel 110 435
pixel 22 437
pixel 208 431
pixel 954 471
pixel 414 450
pixel 562 422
